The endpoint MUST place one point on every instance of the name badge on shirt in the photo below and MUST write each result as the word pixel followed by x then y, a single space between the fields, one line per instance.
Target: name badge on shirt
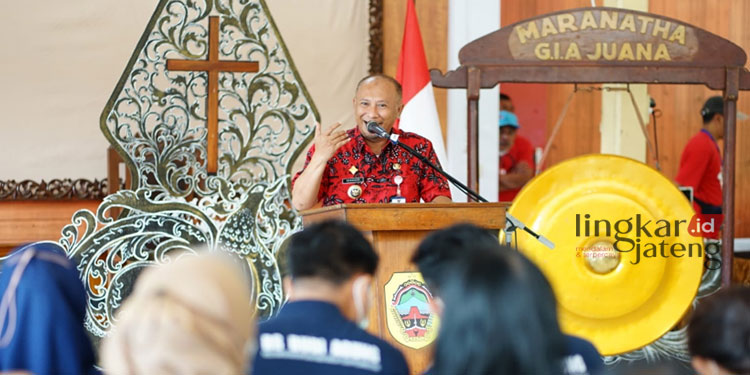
pixel 354 180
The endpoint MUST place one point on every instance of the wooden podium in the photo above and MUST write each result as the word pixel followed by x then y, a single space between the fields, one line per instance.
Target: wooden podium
pixel 395 230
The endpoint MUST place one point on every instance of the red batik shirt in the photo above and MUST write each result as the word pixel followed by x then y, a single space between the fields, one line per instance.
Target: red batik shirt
pixel 355 164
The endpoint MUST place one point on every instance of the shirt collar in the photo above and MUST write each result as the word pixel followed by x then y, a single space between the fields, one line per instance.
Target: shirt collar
pixel 709 134
pixel 311 309
pixel 712 139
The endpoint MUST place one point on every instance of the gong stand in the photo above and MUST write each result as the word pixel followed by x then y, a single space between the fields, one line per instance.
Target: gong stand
pixel 605 45
pixel 512 224
pixel 651 145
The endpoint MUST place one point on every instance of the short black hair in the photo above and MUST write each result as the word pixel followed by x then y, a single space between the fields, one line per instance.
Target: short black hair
pixel 388 78
pixel 331 250
pixel 504 97
pixel 720 329
pixel 713 105
pixel 494 297
pixel 440 250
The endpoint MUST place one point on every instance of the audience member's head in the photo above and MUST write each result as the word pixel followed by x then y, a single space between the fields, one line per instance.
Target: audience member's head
pixel 581 356
pixel 330 266
pixel 508 123
pixel 719 333
pixel 332 261
pixel 439 252
pixel 190 316
pixel 496 319
pixel 42 313
pixel 506 104
pixel 712 114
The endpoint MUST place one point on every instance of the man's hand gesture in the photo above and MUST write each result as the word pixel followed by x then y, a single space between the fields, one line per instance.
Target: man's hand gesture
pixel 328 141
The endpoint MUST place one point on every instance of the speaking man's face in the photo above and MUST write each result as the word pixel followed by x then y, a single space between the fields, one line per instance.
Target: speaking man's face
pixel 376 100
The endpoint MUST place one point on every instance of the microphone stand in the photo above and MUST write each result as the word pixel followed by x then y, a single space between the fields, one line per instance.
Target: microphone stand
pixel 380 132
pixel 511 224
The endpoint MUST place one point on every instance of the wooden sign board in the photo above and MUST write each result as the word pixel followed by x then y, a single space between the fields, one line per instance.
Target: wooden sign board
pixel 602 35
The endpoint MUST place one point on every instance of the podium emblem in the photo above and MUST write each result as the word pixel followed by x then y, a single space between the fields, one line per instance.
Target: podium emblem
pixel 409 314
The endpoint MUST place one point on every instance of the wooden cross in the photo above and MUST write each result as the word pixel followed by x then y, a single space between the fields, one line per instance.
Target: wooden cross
pixel 213 66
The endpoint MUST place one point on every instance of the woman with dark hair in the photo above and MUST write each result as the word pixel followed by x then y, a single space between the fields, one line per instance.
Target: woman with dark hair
pixel 719 333
pixel 498 319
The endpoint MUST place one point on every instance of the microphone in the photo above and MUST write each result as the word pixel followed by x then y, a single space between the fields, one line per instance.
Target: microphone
pixel 376 129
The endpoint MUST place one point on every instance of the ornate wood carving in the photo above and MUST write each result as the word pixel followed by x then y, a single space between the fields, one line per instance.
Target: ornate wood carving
pixel 57 189
pixel 376 36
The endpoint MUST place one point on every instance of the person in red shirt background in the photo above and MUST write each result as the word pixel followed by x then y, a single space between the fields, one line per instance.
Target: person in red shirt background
pixel 700 163
pixel 516 156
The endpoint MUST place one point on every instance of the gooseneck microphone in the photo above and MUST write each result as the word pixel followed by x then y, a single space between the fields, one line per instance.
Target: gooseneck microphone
pixel 376 129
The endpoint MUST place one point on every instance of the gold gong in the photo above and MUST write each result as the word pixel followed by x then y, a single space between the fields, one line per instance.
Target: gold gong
pixel 621 299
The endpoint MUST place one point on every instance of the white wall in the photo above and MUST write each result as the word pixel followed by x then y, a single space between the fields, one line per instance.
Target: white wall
pixel 61 61
pixel 468 20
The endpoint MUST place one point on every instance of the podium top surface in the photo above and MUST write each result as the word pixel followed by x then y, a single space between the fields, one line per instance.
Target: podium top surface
pixel 410 216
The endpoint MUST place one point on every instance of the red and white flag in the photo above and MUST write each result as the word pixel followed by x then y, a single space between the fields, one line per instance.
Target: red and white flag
pixel 420 113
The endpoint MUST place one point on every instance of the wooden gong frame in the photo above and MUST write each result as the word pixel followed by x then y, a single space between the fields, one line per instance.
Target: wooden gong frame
pixel 717 63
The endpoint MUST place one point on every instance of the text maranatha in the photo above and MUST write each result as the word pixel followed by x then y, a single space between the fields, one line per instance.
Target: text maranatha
pixel 638 37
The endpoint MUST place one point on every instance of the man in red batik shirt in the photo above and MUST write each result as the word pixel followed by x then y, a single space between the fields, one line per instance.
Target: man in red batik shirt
pixel 516 158
pixel 700 164
pixel 357 166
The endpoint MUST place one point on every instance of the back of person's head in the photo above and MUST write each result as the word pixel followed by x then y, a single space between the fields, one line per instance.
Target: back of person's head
pixel 333 251
pixel 440 250
pixel 42 313
pixel 719 331
pixel 576 348
pixel 496 321
pixel 713 106
pixel 190 316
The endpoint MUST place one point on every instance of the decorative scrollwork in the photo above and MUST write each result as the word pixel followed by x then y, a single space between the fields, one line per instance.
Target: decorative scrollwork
pixel 57 189
pixel 376 36
pixel 111 253
pixel 155 120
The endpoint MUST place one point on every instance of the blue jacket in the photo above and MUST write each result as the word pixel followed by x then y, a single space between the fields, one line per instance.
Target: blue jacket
pixel 42 313
pixel 312 337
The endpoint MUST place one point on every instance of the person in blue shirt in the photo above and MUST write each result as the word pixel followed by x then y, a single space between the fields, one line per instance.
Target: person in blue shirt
pixel 320 329
pixel 42 313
